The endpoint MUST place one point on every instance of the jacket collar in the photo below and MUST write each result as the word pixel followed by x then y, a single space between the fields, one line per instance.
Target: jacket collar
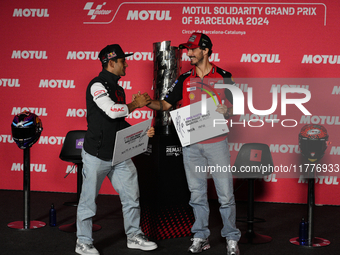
pixel 212 71
pixel 110 77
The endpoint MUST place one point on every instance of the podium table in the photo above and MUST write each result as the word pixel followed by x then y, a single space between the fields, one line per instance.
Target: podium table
pixel 164 193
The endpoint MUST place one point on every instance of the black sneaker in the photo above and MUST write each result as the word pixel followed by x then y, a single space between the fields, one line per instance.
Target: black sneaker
pixel 199 245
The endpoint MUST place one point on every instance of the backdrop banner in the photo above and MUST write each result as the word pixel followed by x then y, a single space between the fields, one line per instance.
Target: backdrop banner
pixel 49 53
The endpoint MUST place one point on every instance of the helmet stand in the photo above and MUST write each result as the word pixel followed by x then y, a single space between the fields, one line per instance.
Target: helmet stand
pixel 313 143
pixel 311 240
pixel 27 223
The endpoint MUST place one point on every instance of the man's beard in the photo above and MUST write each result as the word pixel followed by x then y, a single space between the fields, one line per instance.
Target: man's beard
pixel 199 60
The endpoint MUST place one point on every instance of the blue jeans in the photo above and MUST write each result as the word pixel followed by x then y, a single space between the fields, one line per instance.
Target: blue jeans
pixel 123 177
pixel 197 158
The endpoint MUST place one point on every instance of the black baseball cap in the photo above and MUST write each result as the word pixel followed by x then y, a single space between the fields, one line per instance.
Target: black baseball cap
pixel 197 40
pixel 110 52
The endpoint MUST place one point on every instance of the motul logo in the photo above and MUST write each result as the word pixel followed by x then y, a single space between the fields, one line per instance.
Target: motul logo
pixel 213 58
pixel 137 114
pixel 83 55
pixel 76 113
pixel 31 13
pixel 9 83
pixel 6 139
pixel 141 56
pixel 328 180
pixel 148 15
pixel 72 169
pixel 260 58
pixel 285 148
pixel 117 109
pixel 335 150
pixel 321 120
pixel 321 59
pixel 57 84
pixel 278 87
pixel 125 84
pixel 52 140
pixel 29 54
pixel 33 167
pixel 35 110
pixel 270 178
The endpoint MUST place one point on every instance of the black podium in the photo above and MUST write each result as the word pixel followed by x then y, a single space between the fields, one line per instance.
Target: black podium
pixel 164 193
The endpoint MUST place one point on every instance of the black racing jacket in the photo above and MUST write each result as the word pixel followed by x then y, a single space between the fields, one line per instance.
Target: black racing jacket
pixel 101 129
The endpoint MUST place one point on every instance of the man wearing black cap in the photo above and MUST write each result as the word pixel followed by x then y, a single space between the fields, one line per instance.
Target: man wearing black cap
pixel 106 112
pixel 188 89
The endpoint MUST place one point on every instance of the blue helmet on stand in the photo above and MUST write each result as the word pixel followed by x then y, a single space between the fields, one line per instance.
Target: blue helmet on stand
pixel 26 129
pixel 313 142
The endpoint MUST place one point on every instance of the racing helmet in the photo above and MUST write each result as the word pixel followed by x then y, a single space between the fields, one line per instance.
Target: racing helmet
pixel 313 142
pixel 26 129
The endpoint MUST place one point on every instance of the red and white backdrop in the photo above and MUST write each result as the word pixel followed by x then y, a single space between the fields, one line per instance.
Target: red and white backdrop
pixel 49 54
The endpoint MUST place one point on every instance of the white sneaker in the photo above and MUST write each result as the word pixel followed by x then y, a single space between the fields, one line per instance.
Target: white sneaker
pixel 232 247
pixel 85 249
pixel 199 245
pixel 140 242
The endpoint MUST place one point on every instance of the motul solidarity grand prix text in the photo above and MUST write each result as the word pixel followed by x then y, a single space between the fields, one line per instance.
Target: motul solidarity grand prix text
pixel 241 15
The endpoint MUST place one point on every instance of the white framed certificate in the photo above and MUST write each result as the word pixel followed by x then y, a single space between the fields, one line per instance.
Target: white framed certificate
pixel 131 142
pixel 193 126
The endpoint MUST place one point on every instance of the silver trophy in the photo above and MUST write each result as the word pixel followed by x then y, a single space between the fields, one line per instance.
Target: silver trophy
pixel 167 68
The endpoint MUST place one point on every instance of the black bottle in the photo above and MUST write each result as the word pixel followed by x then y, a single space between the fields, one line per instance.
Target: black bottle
pixel 53 216
pixel 303 230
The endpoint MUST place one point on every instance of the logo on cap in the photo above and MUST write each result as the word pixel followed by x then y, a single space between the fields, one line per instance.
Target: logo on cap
pixel 111 55
pixel 192 38
pixel 203 42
